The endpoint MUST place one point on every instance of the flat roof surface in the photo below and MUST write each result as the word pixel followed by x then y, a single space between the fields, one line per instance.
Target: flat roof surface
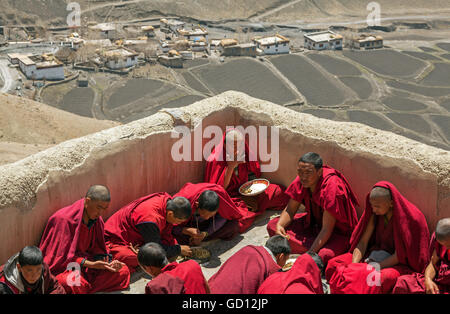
pixel 272 40
pixel 323 36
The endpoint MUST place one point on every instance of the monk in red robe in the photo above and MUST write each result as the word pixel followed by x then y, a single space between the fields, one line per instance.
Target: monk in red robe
pixel 246 270
pixel 303 278
pixel 232 164
pixel 148 219
pixel 436 279
pixel 214 214
pixel 27 273
pixel 391 240
pixel 73 246
pixel 327 210
pixel 170 278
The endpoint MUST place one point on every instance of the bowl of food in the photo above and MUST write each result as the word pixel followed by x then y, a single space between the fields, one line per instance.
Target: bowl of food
pixel 290 262
pixel 254 187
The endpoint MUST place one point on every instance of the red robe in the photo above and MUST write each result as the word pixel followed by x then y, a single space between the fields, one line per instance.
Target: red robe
pixel 227 208
pixel 178 278
pixel 333 194
pixel 243 272
pixel 67 239
pixel 272 198
pixel 121 227
pixel 411 238
pixel 415 283
pixel 303 278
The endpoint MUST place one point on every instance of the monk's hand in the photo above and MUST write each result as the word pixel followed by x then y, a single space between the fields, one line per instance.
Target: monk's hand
pixel 99 265
pixel 134 249
pixel 116 265
pixel 185 250
pixel 192 232
pixel 281 231
pixel 198 238
pixel 431 287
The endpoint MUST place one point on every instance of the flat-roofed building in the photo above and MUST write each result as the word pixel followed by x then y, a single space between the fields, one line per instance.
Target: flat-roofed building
pixel 41 67
pixel 277 44
pixel 323 41
pixel 365 41
pixel 120 58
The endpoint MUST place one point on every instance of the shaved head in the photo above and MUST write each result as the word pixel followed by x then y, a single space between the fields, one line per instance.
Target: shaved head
pixel 380 192
pixel 234 135
pixel 443 229
pixel 98 193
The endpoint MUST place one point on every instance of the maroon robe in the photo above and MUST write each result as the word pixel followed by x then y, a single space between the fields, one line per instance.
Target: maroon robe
pixel 67 239
pixel 244 272
pixel 121 227
pixel 415 283
pixel 227 208
pixel 216 165
pixel 178 278
pixel 303 278
pixel 333 194
pixel 410 236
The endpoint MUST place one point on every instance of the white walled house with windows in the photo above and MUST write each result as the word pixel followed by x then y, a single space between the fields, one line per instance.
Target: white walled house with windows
pixel 326 40
pixel 365 41
pixel 277 44
pixel 41 67
pixel 120 58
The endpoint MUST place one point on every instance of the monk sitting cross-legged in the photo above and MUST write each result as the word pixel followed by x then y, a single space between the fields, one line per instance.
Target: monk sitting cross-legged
pixel 232 164
pixel 148 219
pixel 170 278
pixel 245 271
pixel 75 235
pixel 436 279
pixel 327 210
pixel 214 215
pixel 391 239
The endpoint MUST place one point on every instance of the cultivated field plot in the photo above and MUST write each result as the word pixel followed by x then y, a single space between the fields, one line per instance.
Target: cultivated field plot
pixel 317 88
pixel 446 56
pixel 370 118
pixel 325 114
pixel 79 101
pixel 440 76
pixel 131 91
pixel 421 55
pixel 444 124
pixel 387 62
pixel 193 63
pixel 182 101
pixel 247 76
pixel 360 85
pixel 194 83
pixel 334 65
pixel 446 104
pixel 403 104
pixel 427 49
pixel 444 46
pixel 422 90
pixel 410 121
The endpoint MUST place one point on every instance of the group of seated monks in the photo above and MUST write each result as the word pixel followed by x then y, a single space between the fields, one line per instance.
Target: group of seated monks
pixel 388 250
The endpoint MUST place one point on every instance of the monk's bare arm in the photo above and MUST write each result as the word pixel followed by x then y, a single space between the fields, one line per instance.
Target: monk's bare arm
pixel 361 248
pixel 328 222
pixel 430 273
pixel 390 261
pixel 287 215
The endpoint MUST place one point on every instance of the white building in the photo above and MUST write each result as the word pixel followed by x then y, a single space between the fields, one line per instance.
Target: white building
pixel 199 32
pixel 41 67
pixel 120 58
pixel 367 42
pixel 324 40
pixel 277 44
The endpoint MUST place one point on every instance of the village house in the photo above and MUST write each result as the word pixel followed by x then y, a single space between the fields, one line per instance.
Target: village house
pixel 43 67
pixel 198 32
pixel 198 44
pixel 243 50
pixel 172 61
pixel 148 31
pixel 323 41
pixel 214 44
pixel 119 58
pixel 106 30
pixel 277 44
pixel 226 43
pixel 170 26
pixel 365 41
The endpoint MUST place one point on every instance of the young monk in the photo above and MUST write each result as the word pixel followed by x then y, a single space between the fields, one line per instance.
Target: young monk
pixel 392 235
pixel 303 278
pixel 246 270
pixel 27 273
pixel 75 235
pixel 214 215
pixel 436 278
pixel 327 210
pixel 170 278
pixel 148 219
pixel 232 164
